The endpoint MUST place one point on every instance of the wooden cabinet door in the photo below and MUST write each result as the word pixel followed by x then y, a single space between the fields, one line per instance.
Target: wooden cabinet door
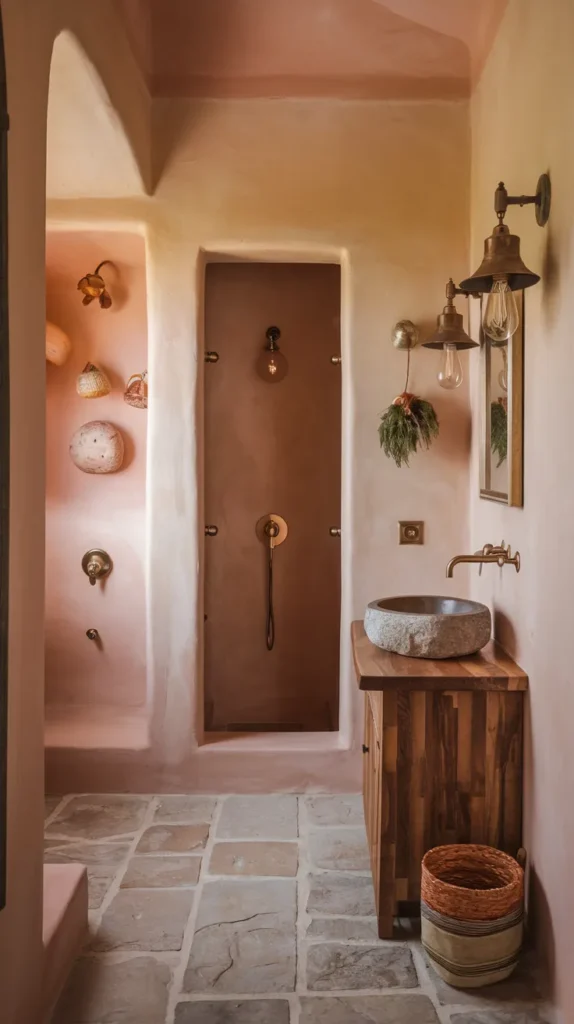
pixel 372 769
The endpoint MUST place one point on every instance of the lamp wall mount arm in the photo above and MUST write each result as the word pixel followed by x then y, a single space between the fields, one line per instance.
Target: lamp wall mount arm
pixel 541 200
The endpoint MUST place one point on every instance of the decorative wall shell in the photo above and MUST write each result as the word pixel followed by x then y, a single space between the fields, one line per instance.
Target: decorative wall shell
pixel 97 447
pixel 92 382
pixel 136 390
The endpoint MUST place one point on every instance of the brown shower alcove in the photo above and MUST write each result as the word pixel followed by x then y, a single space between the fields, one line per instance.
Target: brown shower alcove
pixel 272 447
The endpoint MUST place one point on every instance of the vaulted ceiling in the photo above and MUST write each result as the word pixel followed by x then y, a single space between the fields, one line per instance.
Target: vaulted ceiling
pixel 367 49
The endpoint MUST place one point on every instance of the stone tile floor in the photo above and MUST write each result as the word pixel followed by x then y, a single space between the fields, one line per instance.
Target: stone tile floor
pixel 246 910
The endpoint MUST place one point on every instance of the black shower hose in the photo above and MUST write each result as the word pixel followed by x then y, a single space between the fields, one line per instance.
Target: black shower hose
pixel 272 531
pixel 270 610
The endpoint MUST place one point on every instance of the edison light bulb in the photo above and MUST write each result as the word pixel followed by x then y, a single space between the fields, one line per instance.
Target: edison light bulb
pixel 450 373
pixel 272 365
pixel 500 318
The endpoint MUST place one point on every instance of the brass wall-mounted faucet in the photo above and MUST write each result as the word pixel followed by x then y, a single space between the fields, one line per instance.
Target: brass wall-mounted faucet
pixel 496 553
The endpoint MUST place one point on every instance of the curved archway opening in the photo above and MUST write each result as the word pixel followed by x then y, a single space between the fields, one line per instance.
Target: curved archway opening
pixel 88 151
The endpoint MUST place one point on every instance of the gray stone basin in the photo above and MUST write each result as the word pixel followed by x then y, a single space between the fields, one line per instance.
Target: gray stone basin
pixel 428 627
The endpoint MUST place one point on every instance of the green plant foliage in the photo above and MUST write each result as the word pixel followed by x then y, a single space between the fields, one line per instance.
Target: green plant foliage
pixel 408 424
pixel 499 431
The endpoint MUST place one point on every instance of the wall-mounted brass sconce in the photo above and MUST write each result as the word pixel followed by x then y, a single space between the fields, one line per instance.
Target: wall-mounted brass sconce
pixel 450 337
pixel 96 564
pixel 502 270
pixel 93 287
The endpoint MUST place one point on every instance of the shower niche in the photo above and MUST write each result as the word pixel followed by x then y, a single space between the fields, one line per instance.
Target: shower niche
pixel 272 487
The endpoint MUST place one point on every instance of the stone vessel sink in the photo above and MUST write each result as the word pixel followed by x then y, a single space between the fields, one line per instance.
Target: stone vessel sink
pixel 428 627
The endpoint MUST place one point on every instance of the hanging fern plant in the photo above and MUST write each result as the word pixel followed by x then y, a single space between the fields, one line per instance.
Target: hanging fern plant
pixel 499 430
pixel 408 424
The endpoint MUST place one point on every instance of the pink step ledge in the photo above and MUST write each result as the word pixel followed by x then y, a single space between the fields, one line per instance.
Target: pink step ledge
pixel 65 926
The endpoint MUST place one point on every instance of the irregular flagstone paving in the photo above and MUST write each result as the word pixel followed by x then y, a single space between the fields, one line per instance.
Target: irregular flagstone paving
pixel 246 910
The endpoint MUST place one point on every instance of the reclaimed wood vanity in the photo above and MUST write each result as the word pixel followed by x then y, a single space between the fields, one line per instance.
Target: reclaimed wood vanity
pixel 442 761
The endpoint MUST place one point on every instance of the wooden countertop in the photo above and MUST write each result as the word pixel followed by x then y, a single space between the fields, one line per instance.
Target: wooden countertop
pixel 490 669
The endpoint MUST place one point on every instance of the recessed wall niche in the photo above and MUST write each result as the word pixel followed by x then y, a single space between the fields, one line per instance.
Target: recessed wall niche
pixel 87 509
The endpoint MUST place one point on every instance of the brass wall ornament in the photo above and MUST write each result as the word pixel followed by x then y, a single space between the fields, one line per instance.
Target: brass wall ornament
pixel 405 335
pixel 93 287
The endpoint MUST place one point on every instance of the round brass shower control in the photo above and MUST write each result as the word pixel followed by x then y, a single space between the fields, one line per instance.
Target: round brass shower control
pixel 265 531
pixel 96 564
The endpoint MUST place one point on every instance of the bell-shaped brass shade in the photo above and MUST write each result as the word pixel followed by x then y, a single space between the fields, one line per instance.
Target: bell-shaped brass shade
pixel 450 327
pixel 502 259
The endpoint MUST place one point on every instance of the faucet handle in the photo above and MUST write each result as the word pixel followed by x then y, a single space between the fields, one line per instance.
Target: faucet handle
pixel 96 564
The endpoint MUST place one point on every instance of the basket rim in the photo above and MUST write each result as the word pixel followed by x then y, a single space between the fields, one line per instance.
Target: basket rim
pixel 475 848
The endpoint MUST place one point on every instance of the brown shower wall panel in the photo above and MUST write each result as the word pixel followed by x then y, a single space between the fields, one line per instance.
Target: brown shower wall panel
pixel 272 448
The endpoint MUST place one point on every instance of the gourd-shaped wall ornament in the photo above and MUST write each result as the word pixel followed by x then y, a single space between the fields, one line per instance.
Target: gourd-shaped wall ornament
pixel 97 447
pixel 92 382
pixel 58 345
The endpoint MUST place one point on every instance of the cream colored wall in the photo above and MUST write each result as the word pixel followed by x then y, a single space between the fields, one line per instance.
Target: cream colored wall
pixel 30 29
pixel 336 181
pixel 522 125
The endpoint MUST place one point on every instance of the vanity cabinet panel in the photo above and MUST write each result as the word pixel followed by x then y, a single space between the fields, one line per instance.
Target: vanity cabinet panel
pixel 440 766
pixel 372 766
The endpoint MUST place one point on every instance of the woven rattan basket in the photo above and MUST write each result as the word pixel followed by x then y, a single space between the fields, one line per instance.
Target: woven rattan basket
pixel 471 883
pixel 471 913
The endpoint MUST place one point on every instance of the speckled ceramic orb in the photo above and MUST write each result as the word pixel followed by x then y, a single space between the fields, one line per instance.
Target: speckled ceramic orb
pixel 97 447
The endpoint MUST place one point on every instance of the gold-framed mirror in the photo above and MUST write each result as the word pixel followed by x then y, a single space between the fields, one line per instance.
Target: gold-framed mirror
pixel 502 410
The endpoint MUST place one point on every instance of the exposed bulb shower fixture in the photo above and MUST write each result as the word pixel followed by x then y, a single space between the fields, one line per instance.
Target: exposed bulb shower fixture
pixel 502 270
pixel 272 365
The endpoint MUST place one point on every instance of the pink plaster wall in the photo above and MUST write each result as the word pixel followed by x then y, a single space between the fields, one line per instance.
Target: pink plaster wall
pixel 522 125
pixel 342 48
pixel 136 16
pixel 339 48
pixel 86 510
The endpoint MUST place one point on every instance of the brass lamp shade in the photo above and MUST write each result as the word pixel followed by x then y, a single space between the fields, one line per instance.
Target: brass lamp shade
pixel 450 328
pixel 450 331
pixel 502 259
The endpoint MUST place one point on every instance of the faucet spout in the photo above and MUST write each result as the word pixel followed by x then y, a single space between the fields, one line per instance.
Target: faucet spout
pixel 479 559
pixel 490 553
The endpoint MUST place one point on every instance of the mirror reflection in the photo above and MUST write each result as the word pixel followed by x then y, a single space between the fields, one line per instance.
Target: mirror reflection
pixel 501 447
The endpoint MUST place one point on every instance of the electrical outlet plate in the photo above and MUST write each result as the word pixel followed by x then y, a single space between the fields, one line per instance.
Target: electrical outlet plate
pixel 412 531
